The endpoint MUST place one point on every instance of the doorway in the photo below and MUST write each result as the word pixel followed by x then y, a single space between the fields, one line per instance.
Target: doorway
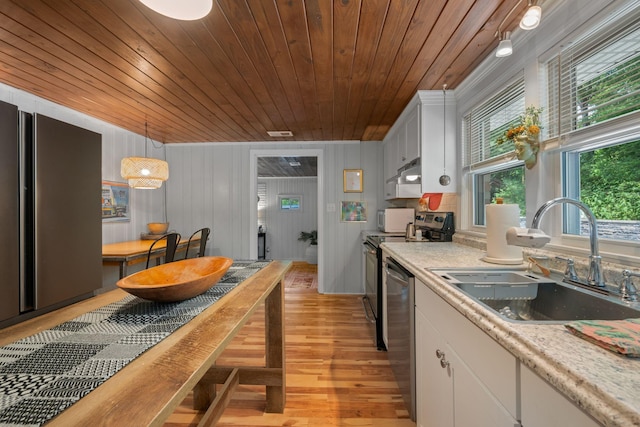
pixel 317 204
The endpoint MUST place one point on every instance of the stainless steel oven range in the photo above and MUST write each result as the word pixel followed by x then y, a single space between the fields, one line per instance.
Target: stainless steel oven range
pixel 372 300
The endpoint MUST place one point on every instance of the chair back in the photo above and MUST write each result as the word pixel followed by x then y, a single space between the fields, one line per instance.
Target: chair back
pixel 204 236
pixel 173 239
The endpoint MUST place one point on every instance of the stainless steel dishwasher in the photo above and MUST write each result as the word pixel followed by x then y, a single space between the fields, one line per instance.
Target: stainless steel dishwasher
pixel 400 299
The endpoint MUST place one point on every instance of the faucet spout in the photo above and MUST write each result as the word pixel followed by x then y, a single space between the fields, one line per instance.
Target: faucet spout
pixel 595 277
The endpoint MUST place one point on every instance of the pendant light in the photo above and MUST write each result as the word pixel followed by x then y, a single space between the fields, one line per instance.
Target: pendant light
pixel 505 48
pixel 144 172
pixel 444 178
pixel 185 10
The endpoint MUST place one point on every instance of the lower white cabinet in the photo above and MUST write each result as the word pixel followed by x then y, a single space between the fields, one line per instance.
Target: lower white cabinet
pixel 544 406
pixel 463 378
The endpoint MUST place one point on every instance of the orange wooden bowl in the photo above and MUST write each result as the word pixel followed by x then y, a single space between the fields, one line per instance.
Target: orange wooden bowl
pixel 176 281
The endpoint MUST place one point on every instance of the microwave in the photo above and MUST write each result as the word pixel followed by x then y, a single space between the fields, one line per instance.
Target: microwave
pixel 395 220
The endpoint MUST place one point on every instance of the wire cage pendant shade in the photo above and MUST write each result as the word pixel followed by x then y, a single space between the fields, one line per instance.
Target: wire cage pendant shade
pixel 144 172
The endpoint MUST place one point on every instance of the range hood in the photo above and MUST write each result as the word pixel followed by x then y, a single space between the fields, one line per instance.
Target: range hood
pixel 406 184
pixel 411 173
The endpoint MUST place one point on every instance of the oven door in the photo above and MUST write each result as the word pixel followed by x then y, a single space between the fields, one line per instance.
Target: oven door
pixel 370 299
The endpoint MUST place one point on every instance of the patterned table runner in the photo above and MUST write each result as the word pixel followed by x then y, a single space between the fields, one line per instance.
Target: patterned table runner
pixel 43 374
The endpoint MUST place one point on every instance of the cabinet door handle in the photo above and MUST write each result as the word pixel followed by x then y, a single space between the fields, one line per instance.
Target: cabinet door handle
pixel 440 355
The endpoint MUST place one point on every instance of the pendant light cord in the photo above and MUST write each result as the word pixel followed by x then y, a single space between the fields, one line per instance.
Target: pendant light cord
pixel 444 128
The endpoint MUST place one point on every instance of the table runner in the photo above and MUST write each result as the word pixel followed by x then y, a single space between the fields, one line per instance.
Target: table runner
pixel 45 373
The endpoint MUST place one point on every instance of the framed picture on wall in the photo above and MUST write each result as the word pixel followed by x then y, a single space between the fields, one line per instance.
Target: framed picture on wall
pixel 352 180
pixel 352 211
pixel 290 202
pixel 115 202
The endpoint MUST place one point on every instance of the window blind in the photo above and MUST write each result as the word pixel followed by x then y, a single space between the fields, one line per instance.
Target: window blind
pixel 488 121
pixel 597 77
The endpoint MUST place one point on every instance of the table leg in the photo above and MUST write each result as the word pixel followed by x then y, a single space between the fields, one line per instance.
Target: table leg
pixel 274 346
pixel 123 269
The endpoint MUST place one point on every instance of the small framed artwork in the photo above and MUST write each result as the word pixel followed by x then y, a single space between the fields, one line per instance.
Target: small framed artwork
pixel 352 211
pixel 290 202
pixel 115 202
pixel 352 180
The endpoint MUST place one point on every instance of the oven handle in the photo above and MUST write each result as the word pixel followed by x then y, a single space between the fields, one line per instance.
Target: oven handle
pixel 369 248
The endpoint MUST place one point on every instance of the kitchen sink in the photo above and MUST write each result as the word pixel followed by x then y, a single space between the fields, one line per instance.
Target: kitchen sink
pixel 520 296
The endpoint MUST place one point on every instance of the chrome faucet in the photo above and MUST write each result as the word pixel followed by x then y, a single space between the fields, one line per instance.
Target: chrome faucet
pixel 627 289
pixel 595 277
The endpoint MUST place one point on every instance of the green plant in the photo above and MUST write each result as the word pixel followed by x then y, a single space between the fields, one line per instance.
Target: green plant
pixel 313 236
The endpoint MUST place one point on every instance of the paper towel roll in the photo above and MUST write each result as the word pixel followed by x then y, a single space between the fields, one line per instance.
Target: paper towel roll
pixel 499 219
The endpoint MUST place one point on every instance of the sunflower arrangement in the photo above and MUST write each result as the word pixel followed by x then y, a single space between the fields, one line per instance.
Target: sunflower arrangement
pixel 525 136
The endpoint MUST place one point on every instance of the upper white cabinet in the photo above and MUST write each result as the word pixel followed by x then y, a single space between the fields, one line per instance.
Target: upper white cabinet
pixel 425 130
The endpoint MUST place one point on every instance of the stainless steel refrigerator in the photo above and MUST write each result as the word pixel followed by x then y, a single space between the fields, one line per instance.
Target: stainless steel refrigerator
pixel 51 243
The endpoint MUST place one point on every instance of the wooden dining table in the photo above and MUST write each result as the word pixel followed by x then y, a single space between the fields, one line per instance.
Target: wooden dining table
pixel 151 387
pixel 124 254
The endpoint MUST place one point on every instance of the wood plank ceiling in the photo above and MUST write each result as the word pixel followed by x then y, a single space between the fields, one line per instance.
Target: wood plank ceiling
pixel 325 70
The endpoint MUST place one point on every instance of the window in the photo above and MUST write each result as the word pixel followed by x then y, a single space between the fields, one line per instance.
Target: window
pixel 497 176
pixel 488 121
pixel 506 183
pixel 593 85
pixel 608 181
pixel 596 78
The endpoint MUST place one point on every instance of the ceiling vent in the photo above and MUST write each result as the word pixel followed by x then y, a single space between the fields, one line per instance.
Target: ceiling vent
pixel 279 133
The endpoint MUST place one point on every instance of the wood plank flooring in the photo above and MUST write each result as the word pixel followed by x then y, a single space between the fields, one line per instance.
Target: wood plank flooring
pixel 335 376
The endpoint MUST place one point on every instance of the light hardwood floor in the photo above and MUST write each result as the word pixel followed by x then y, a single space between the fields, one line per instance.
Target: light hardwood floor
pixel 335 376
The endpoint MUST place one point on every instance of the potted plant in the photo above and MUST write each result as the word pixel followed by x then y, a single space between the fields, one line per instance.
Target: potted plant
pixel 311 252
pixel 525 136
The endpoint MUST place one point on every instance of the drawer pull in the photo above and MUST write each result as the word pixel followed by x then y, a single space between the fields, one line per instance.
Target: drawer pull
pixel 443 362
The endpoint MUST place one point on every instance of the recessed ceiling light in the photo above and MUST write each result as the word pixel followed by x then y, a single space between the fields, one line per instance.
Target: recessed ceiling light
pixel 185 10
pixel 279 133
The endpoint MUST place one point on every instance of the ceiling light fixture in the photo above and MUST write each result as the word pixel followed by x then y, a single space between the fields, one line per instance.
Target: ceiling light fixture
pixel 144 172
pixel 505 48
pixel 531 18
pixel 185 10
pixel 529 21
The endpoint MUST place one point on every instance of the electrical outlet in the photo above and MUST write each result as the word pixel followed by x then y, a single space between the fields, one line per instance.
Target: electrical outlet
pixel 331 207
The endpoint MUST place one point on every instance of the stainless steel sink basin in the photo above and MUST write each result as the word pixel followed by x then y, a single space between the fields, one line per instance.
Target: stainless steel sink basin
pixel 518 296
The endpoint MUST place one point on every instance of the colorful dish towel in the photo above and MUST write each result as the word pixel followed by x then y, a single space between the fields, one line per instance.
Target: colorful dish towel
pixel 619 336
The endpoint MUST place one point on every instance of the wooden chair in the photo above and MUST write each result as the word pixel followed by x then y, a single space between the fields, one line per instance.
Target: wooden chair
pixel 204 236
pixel 173 239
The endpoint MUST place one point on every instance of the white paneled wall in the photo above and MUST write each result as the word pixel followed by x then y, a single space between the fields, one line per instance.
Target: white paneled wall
pixel 283 227
pixel 209 186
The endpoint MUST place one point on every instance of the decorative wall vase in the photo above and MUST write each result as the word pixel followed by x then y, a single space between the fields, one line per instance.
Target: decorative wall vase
pixel 527 148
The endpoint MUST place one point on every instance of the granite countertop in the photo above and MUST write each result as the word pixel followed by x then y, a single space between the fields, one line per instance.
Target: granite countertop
pixel 603 384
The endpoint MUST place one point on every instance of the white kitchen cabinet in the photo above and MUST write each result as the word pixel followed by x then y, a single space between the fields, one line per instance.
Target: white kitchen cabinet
pixel 463 378
pixel 544 406
pixel 390 156
pixel 422 132
pixel 434 385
